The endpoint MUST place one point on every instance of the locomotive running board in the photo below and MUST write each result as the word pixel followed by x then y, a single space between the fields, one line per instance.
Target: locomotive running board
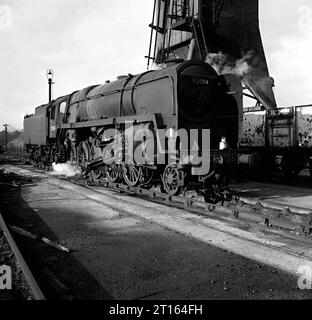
pixel 156 118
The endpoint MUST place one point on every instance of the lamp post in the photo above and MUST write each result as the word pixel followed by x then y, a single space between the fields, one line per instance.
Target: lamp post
pixel 50 74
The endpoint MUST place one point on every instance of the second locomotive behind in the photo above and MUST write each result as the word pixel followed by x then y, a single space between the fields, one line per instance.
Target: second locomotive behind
pixel 184 95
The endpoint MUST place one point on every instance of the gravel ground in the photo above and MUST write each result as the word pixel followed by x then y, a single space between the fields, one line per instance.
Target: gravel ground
pixel 119 256
pixel 20 290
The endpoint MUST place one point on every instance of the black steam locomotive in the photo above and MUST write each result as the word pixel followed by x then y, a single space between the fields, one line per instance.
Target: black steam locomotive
pixel 91 128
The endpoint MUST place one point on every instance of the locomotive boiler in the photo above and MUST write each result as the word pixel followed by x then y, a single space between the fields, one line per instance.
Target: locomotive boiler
pixel 91 127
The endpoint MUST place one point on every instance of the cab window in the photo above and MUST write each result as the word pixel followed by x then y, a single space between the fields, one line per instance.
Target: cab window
pixel 62 107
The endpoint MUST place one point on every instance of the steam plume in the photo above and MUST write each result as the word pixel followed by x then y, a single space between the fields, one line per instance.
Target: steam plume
pixel 223 64
pixel 65 169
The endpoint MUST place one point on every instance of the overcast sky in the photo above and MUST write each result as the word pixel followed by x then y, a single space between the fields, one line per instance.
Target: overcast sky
pixel 87 42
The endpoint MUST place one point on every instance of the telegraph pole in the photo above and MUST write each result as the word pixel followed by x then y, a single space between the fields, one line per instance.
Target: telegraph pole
pixel 6 136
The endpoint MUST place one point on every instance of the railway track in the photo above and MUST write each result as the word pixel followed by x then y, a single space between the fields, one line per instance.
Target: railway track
pixel 272 216
pixel 279 237
pixel 33 290
pixel 150 241
pixel 267 244
pixel 289 218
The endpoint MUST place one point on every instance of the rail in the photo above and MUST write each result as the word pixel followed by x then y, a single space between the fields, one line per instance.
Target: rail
pixel 32 283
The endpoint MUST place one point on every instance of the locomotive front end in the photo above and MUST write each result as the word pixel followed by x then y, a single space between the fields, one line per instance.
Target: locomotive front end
pixel 209 117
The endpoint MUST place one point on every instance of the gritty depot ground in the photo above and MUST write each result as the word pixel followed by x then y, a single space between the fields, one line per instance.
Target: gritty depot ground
pixel 116 255
pixel 19 287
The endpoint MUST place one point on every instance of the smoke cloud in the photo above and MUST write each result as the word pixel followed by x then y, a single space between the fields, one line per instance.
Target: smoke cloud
pixel 65 169
pixel 16 143
pixel 251 69
pixel 223 64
